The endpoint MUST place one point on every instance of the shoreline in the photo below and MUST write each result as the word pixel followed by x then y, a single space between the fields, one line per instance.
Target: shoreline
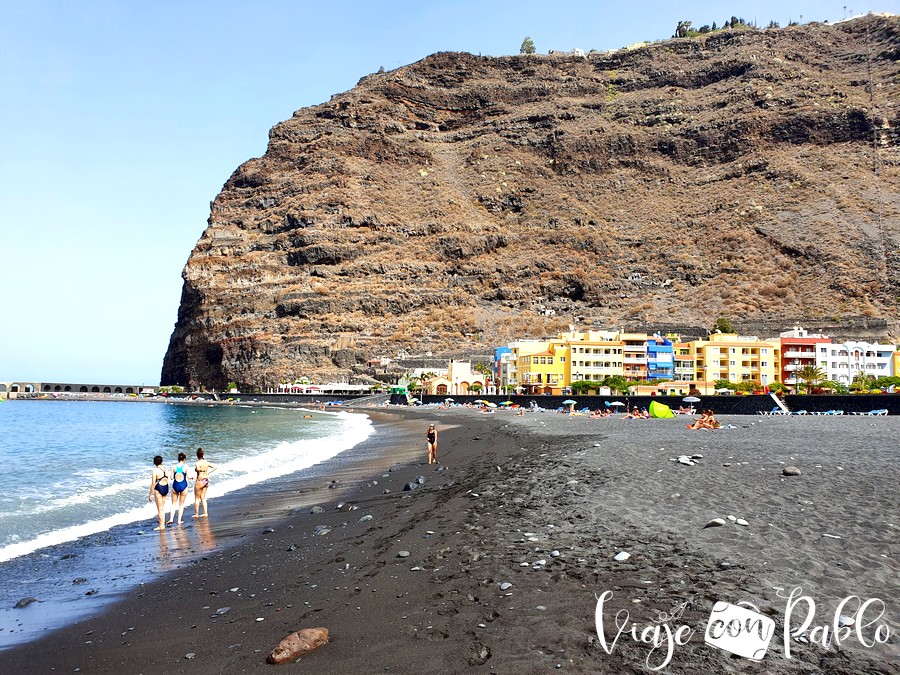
pixel 515 490
pixel 79 578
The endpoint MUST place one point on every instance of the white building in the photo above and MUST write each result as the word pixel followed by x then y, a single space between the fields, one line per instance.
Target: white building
pixel 842 361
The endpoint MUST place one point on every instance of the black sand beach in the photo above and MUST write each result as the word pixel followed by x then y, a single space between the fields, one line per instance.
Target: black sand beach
pixel 512 542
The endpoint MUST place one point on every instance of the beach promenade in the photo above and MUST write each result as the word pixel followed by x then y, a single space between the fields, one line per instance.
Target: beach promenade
pixel 495 562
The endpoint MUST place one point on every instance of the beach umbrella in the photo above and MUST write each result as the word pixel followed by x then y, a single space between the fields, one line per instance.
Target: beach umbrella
pixel 506 403
pixel 491 405
pixel 479 400
pixel 450 399
pixel 691 399
pixel 617 403
pixel 569 402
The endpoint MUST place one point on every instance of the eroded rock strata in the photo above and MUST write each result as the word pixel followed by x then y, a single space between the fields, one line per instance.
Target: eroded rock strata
pixel 462 201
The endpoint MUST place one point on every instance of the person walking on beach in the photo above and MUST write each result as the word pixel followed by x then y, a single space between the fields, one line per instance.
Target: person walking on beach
pixel 179 488
pixel 431 439
pixel 159 489
pixel 202 469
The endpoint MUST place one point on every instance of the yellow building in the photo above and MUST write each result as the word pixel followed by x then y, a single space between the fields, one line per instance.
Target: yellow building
pixel 594 355
pixel 736 358
pixel 685 360
pixel 508 366
pixel 544 372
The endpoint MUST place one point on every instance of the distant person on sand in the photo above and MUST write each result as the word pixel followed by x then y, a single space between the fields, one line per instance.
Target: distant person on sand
pixel 179 487
pixel 201 485
pixel 431 439
pixel 159 489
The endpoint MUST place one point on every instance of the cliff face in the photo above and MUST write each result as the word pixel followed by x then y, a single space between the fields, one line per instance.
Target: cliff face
pixel 466 201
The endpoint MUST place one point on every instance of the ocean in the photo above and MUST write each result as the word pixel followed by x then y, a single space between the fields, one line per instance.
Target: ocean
pixel 75 468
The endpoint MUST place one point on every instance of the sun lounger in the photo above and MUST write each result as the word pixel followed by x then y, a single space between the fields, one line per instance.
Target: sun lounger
pixel 872 413
pixel 774 411
pixel 800 412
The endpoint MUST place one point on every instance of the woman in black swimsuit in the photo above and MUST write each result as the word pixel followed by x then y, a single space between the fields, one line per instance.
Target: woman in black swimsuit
pixel 431 438
pixel 159 489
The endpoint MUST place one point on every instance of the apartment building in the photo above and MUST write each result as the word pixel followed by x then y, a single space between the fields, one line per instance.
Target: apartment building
pixel 736 358
pixel 798 349
pixel 595 355
pixel 660 358
pixel 842 361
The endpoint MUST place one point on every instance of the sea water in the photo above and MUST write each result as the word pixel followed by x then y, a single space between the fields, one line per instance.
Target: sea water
pixel 74 468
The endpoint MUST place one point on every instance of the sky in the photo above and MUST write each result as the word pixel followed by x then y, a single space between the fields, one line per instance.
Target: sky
pixel 121 121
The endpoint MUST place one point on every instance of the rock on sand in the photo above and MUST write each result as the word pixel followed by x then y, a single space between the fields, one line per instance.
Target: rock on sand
pixel 790 471
pixel 297 644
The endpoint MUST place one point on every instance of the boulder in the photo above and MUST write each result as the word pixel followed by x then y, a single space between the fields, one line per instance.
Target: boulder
pixel 790 471
pixel 297 644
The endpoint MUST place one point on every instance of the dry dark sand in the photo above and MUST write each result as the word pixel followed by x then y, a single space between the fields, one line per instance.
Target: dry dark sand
pixel 570 491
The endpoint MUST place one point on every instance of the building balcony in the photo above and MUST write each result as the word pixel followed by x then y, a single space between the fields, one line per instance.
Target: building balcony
pixel 636 359
pixel 796 354
pixel 679 370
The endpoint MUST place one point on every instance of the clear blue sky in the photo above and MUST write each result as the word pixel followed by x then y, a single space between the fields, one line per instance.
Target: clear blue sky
pixel 120 122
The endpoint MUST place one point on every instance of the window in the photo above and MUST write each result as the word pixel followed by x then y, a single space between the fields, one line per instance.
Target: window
pixel 764 364
pixel 732 363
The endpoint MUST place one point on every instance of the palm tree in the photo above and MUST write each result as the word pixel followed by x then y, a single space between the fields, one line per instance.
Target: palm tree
pixel 811 375
pixel 485 370
pixel 423 379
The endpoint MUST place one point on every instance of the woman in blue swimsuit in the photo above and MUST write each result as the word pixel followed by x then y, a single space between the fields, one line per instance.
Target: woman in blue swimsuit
pixel 179 487
pixel 159 489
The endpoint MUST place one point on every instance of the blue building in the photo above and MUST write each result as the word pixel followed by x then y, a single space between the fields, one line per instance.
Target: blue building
pixel 660 358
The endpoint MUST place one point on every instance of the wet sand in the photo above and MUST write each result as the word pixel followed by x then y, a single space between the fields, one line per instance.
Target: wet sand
pixel 512 491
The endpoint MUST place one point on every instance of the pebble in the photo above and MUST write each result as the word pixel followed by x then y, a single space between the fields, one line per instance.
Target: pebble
pixel 403 554
pixel 24 602
pixel 235 589
pixel 420 480
pixel 621 556
pixel 697 456
pixel 554 553
pixel 715 522
pixel 727 464
pixel 505 586
pixel 190 655
pixel 523 564
pixel 365 519
pixel 317 509
pixel 292 547
pixel 742 522
pixel 732 518
pixel 268 530
pixel 223 610
pixel 790 471
pixel 322 530
pixel 540 608
pixel 832 536
pixel 684 459
pixel 409 486
pixel 260 618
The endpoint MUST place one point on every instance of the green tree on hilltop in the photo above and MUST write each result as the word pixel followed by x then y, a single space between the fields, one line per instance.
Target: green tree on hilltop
pixel 723 325
pixel 527 46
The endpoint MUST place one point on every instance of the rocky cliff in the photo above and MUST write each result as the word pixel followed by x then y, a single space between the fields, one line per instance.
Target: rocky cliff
pixel 462 201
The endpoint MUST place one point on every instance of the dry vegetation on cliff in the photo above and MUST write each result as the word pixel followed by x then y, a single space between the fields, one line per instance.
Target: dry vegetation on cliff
pixel 750 174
